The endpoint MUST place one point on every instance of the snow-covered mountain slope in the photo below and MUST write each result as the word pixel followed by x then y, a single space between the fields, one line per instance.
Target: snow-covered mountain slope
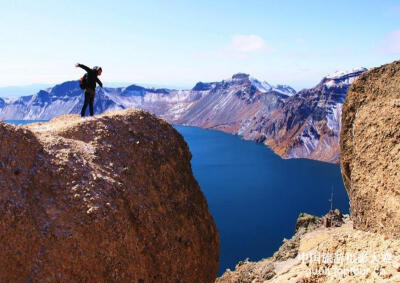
pixel 304 124
pixel 266 87
pixel 68 98
pixel 308 124
pixel 342 77
pixel 228 105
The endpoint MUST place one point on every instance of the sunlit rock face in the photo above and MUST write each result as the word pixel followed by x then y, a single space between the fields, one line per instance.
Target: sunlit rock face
pixel 370 151
pixel 111 199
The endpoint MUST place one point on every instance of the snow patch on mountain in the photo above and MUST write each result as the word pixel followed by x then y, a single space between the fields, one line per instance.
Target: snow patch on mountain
pixel 9 100
pixel 284 89
pixel 261 86
pixel 341 74
pixel 266 87
pixel 334 117
pixel 308 139
pixel 343 77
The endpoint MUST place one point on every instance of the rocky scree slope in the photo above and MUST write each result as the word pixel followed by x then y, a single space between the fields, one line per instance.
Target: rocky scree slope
pixel 107 199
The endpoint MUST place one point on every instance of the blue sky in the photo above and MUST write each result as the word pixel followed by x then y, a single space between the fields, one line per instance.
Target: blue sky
pixel 177 43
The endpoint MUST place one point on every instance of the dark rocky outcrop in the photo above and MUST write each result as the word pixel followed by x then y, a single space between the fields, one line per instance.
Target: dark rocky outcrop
pixel 370 150
pixel 307 222
pixel 111 199
pixel 334 218
pixel 200 86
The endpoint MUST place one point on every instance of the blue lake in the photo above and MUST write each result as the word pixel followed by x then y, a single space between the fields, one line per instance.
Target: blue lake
pixel 253 194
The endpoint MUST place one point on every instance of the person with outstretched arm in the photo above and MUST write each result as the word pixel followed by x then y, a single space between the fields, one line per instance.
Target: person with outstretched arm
pixel 90 86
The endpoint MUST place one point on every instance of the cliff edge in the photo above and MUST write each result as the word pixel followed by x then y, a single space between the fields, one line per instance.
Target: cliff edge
pixel 370 150
pixel 106 199
pixel 318 254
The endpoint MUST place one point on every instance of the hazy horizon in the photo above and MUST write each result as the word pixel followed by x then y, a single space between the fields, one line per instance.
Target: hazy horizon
pixel 13 91
pixel 30 89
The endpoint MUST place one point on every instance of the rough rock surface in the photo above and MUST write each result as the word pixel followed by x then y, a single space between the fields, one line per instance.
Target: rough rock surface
pixel 334 218
pixel 100 200
pixel 319 254
pixel 370 150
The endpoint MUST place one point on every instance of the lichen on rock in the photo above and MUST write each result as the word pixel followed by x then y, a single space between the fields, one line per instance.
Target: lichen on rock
pixel 105 199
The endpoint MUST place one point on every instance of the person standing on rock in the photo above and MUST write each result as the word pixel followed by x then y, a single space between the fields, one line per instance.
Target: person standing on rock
pixel 88 83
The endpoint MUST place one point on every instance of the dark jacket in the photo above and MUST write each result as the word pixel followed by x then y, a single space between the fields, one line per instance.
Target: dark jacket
pixel 91 77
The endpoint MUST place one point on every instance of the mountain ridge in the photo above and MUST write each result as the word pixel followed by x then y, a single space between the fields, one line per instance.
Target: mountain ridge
pixel 289 122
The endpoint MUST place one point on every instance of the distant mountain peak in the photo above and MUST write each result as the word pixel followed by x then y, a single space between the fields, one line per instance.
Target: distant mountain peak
pixel 200 86
pixel 63 88
pixel 240 76
pixel 246 79
pixel 261 86
pixel 285 89
pixel 340 78
pixel 266 87
pixel 343 74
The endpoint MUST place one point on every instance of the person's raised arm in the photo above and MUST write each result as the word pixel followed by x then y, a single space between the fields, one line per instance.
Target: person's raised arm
pixel 87 69
pixel 99 82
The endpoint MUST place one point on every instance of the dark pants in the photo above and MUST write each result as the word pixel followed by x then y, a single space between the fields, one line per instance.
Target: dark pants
pixel 89 100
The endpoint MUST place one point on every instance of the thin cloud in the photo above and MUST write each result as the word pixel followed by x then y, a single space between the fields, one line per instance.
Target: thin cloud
pixel 391 43
pixel 248 43
pixel 393 11
pixel 300 41
pixel 240 47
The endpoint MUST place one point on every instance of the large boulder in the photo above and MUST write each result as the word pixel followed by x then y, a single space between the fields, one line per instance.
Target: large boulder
pixel 106 199
pixel 370 150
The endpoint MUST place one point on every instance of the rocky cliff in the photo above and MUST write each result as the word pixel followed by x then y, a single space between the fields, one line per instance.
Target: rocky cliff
pixel 294 125
pixel 370 150
pixel 307 124
pixel 111 199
